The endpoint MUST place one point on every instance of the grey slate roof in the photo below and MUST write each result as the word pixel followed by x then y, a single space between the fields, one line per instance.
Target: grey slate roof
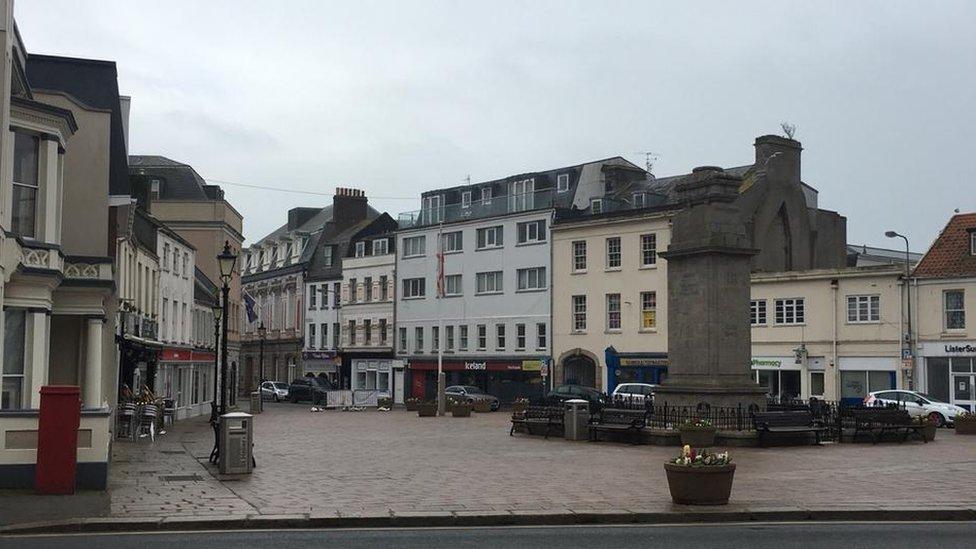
pixel 96 84
pixel 178 181
pixel 204 290
pixel 665 185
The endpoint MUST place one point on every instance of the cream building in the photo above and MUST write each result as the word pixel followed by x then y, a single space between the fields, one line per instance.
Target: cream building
pixel 57 284
pixel 832 334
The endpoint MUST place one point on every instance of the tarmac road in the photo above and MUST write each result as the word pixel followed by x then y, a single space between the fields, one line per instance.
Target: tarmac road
pixel 891 535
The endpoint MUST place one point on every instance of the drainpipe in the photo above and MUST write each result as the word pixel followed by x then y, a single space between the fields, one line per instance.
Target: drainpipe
pixel 834 360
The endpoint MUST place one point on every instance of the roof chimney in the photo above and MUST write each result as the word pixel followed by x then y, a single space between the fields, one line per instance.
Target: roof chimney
pixel 348 207
pixel 786 166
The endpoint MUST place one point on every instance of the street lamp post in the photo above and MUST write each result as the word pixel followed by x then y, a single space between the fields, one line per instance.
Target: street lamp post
pixel 215 308
pixel 908 295
pixel 262 334
pixel 225 261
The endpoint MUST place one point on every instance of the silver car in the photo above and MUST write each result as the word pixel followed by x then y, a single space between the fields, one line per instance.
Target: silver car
pixel 274 390
pixel 470 393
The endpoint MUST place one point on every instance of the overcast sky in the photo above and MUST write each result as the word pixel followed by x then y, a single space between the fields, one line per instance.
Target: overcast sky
pixel 399 97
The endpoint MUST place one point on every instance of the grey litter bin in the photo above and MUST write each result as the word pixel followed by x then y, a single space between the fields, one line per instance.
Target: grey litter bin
pixel 257 406
pixel 236 443
pixel 576 419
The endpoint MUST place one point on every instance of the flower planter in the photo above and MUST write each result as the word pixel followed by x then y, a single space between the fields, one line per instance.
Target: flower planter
pixel 482 406
pixel 928 432
pixel 411 405
pixel 698 438
pixel 520 407
pixel 700 485
pixel 461 410
pixel 965 426
pixel 384 402
pixel 427 409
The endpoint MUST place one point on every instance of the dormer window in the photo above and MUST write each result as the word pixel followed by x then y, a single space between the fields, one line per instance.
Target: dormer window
pixel 381 246
pixel 486 195
pixel 360 249
pixel 466 199
pixel 596 205
pixel 637 200
pixel 154 188
pixel 432 209
pixel 327 256
pixel 562 182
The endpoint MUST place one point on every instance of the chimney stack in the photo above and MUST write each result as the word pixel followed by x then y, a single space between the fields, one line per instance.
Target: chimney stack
pixel 786 165
pixel 348 207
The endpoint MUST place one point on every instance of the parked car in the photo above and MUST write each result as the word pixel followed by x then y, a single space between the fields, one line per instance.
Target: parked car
pixel 309 388
pixel 470 393
pixel 274 390
pixel 634 390
pixel 589 394
pixel 917 404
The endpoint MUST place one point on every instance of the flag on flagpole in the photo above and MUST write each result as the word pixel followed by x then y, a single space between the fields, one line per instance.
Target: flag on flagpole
pixel 249 304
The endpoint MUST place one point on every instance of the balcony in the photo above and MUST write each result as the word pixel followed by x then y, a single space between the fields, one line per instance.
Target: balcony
pixel 477 209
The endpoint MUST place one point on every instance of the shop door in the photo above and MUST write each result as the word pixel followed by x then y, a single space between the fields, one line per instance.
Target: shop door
pixel 962 391
pixel 398 386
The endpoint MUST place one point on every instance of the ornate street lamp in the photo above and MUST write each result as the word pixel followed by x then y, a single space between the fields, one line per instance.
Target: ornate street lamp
pixel 262 334
pixel 225 261
pixel 215 308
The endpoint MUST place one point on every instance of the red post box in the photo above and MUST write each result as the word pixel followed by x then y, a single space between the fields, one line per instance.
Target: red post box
pixel 57 439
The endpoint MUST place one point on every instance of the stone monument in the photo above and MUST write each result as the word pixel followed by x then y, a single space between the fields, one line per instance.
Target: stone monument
pixel 709 337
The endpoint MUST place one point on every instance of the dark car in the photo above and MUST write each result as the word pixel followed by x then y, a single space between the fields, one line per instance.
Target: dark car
pixel 309 388
pixel 589 394
pixel 470 393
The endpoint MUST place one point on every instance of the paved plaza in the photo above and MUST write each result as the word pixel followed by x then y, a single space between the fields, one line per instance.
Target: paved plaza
pixel 371 463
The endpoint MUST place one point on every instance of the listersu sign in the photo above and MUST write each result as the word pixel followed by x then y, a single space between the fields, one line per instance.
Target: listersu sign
pixel 960 349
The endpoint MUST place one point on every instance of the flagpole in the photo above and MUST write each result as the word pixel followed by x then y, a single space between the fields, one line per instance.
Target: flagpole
pixel 441 381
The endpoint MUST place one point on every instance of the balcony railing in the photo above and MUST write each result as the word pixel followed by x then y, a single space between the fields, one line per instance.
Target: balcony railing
pixel 477 209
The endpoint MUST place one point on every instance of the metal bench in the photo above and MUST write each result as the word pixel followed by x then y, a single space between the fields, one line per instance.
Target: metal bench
pixel 878 422
pixel 629 423
pixel 786 423
pixel 549 417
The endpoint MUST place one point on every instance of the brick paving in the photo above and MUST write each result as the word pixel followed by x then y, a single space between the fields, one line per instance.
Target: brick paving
pixel 352 464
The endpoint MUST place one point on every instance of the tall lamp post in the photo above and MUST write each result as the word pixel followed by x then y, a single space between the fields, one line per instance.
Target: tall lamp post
pixel 908 298
pixel 215 308
pixel 262 334
pixel 225 261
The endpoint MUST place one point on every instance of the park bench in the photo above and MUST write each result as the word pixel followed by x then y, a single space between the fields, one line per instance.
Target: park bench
pixel 549 417
pixel 629 423
pixel 785 423
pixel 878 422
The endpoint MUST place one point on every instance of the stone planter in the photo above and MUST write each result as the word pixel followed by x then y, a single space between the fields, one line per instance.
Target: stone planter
pixel 482 406
pixel 384 402
pixel 461 410
pixel 928 432
pixel 698 438
pixel 427 409
pixel 411 405
pixel 965 426
pixel 706 485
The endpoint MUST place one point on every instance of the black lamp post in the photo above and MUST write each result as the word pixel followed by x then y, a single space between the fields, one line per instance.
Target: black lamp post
pixel 908 290
pixel 215 308
pixel 262 334
pixel 225 261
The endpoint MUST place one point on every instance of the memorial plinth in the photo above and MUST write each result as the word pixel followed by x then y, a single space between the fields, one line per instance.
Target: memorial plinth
pixel 709 337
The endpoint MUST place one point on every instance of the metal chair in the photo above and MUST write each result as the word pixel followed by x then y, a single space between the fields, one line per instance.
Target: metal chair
pixel 147 421
pixel 169 411
pixel 124 419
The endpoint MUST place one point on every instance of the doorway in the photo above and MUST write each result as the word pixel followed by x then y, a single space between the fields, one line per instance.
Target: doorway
pixel 579 370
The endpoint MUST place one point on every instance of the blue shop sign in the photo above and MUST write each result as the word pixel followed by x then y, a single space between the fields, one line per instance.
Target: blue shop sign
pixel 635 368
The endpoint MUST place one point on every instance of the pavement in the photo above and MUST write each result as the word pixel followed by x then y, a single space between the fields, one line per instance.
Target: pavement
pixel 755 536
pixel 370 468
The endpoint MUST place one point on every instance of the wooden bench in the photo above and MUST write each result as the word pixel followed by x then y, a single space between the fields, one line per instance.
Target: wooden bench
pixel 549 417
pixel 785 423
pixel 627 422
pixel 880 421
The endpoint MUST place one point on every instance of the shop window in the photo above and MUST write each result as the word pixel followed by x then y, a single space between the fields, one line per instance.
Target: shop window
pixel 817 384
pixel 856 384
pixel 383 381
pixel 14 324
pixel 780 384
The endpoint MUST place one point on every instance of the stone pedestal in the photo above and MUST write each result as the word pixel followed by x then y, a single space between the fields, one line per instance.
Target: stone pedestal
pixel 709 337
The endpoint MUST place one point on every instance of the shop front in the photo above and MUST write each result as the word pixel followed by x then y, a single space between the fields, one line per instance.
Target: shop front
pixel 505 379
pixel 781 375
pixel 949 371
pixel 187 378
pixel 635 368
pixel 384 376
pixel 862 375
pixel 322 363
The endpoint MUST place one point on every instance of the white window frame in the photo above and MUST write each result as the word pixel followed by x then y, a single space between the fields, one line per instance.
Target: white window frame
pixel 463 337
pixel 23 366
pixel 614 320
pixel 414 288
pixel 37 215
pixel 418 339
pixel 326 255
pixel 360 249
pixel 432 211
pixel 482 337
pixel 500 337
pixel 520 337
pixel 311 335
pixel 486 195
pixel 403 339
pixel 466 199
pixel 562 183
pixel 522 197
pixel 596 205
pixel 946 310
pixel 614 256
pixel 530 232
pixel 637 200
pixel 579 314
pixel 579 256
pixel 648 245
pixel 381 246
pixel 453 242
pixel 449 338
pixel 541 336
pixel 868 304
pixel 490 282
pixel 789 311
pixel 324 335
pixel 414 246
pixel 757 312
pixel 525 282
pixel 648 305
pixel 452 285
pixel 497 240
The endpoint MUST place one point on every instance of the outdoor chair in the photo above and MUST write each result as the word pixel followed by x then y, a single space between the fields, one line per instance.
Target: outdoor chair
pixel 169 411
